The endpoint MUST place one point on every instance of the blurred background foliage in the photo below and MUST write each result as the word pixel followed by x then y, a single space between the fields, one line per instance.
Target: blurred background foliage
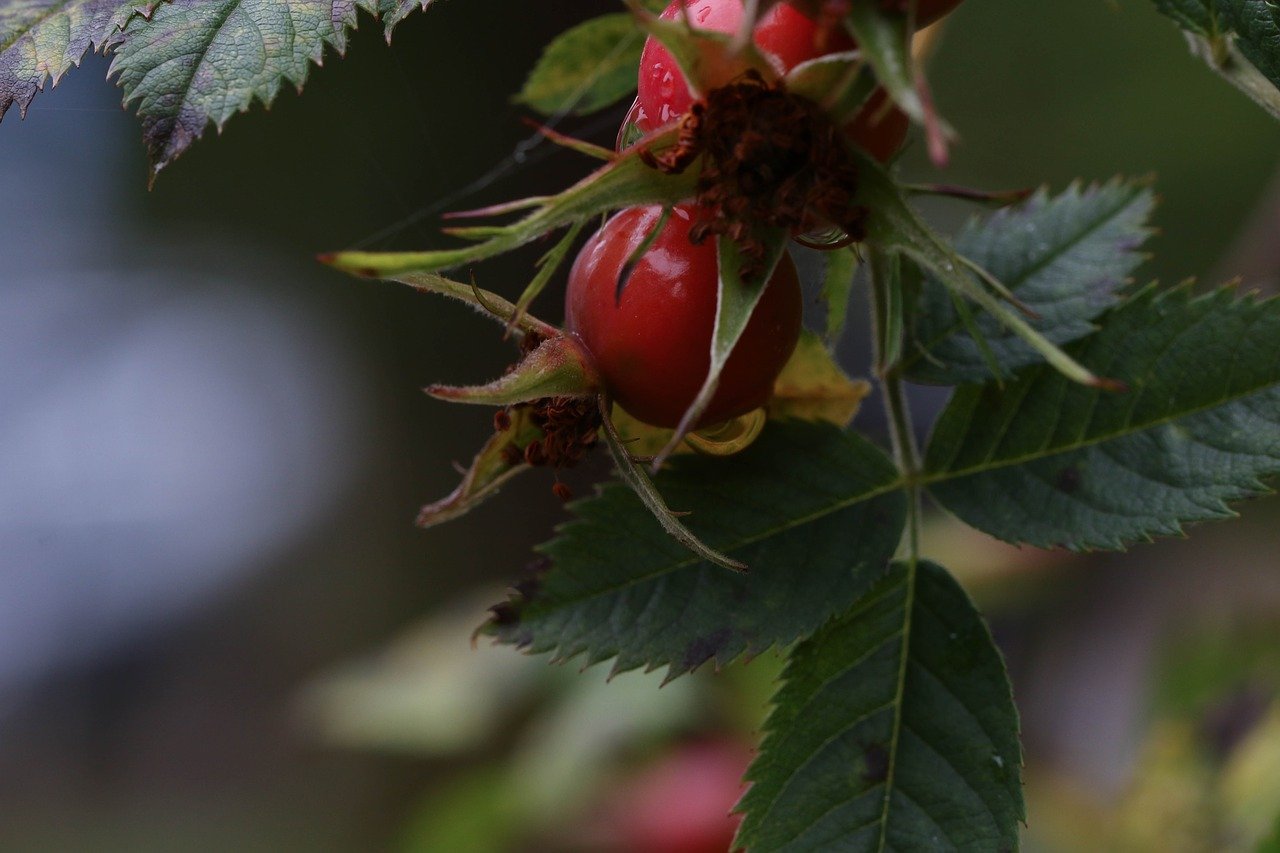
pixel 212 450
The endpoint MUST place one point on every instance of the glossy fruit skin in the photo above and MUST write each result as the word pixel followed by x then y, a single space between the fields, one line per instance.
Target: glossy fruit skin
pixel 653 347
pixel 787 37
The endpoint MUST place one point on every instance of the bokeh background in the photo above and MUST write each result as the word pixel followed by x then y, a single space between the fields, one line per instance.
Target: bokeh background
pixel 212 449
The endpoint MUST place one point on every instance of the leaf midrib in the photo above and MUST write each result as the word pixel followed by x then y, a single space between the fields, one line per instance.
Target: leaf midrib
pixel 927 479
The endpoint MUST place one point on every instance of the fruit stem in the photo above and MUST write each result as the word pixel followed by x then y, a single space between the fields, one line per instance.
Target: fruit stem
pixel 905 449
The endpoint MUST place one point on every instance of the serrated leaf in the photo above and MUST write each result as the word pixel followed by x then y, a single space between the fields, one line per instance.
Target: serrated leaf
pixel 816 514
pixel 893 228
pixel 40 40
pixel 894 729
pixel 586 68
pixel 1049 463
pixel 1197 16
pixel 196 62
pixel 1065 257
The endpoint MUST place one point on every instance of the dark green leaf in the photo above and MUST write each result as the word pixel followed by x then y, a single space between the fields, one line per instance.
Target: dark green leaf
pixel 1197 16
pixel 1065 257
pixel 1050 463
pixel 1257 27
pixel 196 62
pixel 894 729
pixel 586 68
pixel 41 39
pixel 816 514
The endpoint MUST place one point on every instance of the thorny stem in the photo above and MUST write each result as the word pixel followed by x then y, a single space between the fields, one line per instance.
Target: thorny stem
pixel 907 455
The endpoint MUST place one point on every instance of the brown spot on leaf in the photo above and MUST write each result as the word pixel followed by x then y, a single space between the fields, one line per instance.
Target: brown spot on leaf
pixel 705 648
pixel 1069 480
pixel 876 760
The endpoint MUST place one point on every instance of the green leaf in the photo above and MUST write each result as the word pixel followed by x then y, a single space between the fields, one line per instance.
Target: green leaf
pixel 816 514
pixel 196 62
pixel 1197 16
pixel 1050 463
pixel 40 40
pixel 1239 39
pixel 894 729
pixel 1257 27
pixel 1064 257
pixel 894 228
pixel 586 68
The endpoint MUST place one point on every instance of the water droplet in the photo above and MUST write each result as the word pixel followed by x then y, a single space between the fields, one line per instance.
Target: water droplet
pixel 667 85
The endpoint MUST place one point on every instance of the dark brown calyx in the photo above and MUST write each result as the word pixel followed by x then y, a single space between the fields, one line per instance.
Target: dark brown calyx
pixel 770 159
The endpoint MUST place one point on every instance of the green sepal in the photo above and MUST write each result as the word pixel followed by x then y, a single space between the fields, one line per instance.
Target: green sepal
pixel 559 367
pixel 625 182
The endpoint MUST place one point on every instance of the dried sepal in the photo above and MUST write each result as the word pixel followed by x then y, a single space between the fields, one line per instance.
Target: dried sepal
pixel 500 459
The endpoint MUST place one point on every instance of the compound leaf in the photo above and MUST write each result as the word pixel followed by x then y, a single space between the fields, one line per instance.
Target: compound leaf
pixel 1064 256
pixel 1050 463
pixel 816 514
pixel 894 729
pixel 1197 16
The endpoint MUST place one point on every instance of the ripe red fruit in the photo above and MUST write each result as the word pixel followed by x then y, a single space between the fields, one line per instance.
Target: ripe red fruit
pixel 653 346
pixel 787 37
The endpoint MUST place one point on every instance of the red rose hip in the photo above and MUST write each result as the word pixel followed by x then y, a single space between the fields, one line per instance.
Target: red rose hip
pixel 652 347
pixel 787 37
